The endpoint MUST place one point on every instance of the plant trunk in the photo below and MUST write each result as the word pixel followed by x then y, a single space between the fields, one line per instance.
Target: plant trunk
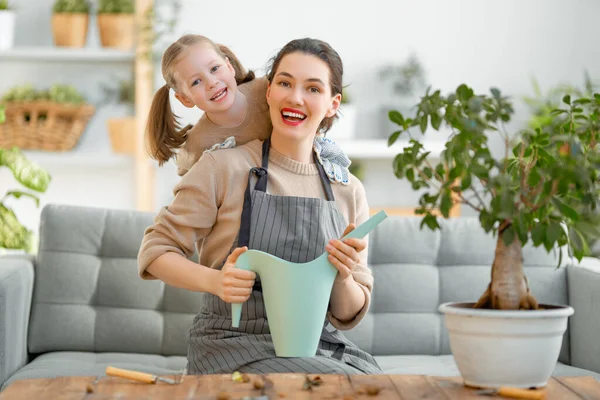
pixel 509 289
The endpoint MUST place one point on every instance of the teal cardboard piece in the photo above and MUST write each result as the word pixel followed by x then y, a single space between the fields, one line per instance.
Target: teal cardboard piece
pixel 296 296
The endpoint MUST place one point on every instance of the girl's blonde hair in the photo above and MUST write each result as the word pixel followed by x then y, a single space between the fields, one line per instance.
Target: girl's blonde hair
pixel 163 132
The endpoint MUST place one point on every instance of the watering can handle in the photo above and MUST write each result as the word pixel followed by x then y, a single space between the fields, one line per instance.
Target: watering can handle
pixel 359 232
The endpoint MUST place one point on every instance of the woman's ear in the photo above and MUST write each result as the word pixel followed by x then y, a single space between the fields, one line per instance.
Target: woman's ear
pixel 268 95
pixel 335 105
pixel 184 100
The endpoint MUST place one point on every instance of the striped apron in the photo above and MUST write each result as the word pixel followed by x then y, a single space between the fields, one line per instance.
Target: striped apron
pixel 295 229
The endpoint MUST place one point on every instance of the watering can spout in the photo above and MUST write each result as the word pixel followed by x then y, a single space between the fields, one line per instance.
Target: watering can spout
pixel 296 296
pixel 236 314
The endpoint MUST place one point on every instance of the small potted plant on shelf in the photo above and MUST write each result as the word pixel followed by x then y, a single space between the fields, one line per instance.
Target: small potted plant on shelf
pixel 116 23
pixel 344 127
pixel 50 120
pixel 543 189
pixel 120 100
pixel 402 84
pixel 7 25
pixel 70 20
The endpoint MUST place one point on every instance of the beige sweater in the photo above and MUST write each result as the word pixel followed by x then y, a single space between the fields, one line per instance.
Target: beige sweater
pixel 256 125
pixel 205 213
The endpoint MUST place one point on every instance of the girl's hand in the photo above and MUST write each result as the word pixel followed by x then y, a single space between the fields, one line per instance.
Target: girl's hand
pixel 234 285
pixel 344 254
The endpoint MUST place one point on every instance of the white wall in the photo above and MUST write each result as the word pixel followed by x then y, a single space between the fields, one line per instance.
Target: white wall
pixel 483 43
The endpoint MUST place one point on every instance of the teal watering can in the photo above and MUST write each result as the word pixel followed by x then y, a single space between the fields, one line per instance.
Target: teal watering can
pixel 296 296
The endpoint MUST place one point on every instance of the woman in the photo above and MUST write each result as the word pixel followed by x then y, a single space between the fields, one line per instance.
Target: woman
pixel 271 196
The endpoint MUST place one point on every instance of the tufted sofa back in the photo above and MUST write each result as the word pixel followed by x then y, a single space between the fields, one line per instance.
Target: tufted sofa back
pixel 88 296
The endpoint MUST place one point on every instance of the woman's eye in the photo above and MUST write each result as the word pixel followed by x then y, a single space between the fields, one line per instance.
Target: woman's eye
pixel 314 89
pixel 215 68
pixel 196 82
pixel 284 84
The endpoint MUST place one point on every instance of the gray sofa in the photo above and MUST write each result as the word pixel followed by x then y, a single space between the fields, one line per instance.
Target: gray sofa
pixel 79 305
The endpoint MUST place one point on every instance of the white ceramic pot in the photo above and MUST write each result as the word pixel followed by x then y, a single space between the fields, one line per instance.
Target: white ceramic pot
pixel 494 348
pixel 7 29
pixel 344 127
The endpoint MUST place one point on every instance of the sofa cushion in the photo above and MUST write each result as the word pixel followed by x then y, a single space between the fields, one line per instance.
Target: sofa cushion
pixel 55 364
pixel 86 284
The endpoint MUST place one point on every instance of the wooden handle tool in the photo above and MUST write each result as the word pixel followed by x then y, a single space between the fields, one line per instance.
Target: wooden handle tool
pixel 516 393
pixel 137 376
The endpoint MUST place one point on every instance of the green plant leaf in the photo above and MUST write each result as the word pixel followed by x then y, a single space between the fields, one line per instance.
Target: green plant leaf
pixel 423 123
pixel 18 194
pixel 25 171
pixel 565 209
pixel 553 233
pixel 508 235
pixel 393 137
pixel 446 203
pixel 567 99
pixel 431 221
pixel 13 235
pixel 396 117
pixel 538 234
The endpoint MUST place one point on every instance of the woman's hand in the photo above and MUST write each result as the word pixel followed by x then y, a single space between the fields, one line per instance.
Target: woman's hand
pixel 344 254
pixel 234 284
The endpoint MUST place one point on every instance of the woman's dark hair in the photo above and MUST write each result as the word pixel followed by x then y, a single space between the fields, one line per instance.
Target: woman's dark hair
pixel 323 51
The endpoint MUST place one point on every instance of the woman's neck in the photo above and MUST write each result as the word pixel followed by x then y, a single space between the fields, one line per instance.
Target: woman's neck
pixel 234 115
pixel 297 149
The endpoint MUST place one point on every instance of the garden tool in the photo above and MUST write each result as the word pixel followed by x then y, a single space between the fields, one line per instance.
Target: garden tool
pixel 141 376
pixel 516 393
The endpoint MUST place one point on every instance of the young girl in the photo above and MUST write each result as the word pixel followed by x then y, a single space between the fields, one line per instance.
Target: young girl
pixel 271 196
pixel 210 77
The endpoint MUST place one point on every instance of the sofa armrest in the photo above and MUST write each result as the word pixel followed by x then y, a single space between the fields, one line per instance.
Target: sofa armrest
pixel 16 288
pixel 584 324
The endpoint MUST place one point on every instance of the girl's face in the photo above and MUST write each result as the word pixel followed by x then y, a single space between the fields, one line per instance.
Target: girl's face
pixel 299 96
pixel 204 79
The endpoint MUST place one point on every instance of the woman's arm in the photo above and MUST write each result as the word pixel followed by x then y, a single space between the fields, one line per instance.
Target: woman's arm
pixel 176 270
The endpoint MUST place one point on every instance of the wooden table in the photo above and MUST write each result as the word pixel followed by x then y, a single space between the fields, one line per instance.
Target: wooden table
pixel 279 386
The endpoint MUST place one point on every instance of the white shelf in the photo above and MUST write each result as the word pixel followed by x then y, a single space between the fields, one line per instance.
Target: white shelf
pixel 51 53
pixel 79 159
pixel 378 148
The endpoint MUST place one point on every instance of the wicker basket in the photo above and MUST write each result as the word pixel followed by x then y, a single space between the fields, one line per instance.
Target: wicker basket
pixel 44 125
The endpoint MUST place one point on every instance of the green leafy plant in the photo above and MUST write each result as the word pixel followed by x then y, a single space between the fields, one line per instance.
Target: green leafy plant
pixel 156 25
pixel 58 93
pixel 544 188
pixel 541 105
pixel 13 234
pixel 4 5
pixel 71 6
pixel 404 79
pixel 122 92
pixel 116 7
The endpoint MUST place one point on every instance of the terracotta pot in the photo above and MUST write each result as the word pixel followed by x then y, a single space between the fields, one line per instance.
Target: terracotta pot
pixel 122 134
pixel 69 30
pixel 117 30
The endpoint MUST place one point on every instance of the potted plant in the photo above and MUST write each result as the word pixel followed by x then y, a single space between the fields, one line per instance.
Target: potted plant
pixel 344 126
pixel 120 102
pixel 402 83
pixel 70 19
pixel 116 23
pixel 543 189
pixel 7 25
